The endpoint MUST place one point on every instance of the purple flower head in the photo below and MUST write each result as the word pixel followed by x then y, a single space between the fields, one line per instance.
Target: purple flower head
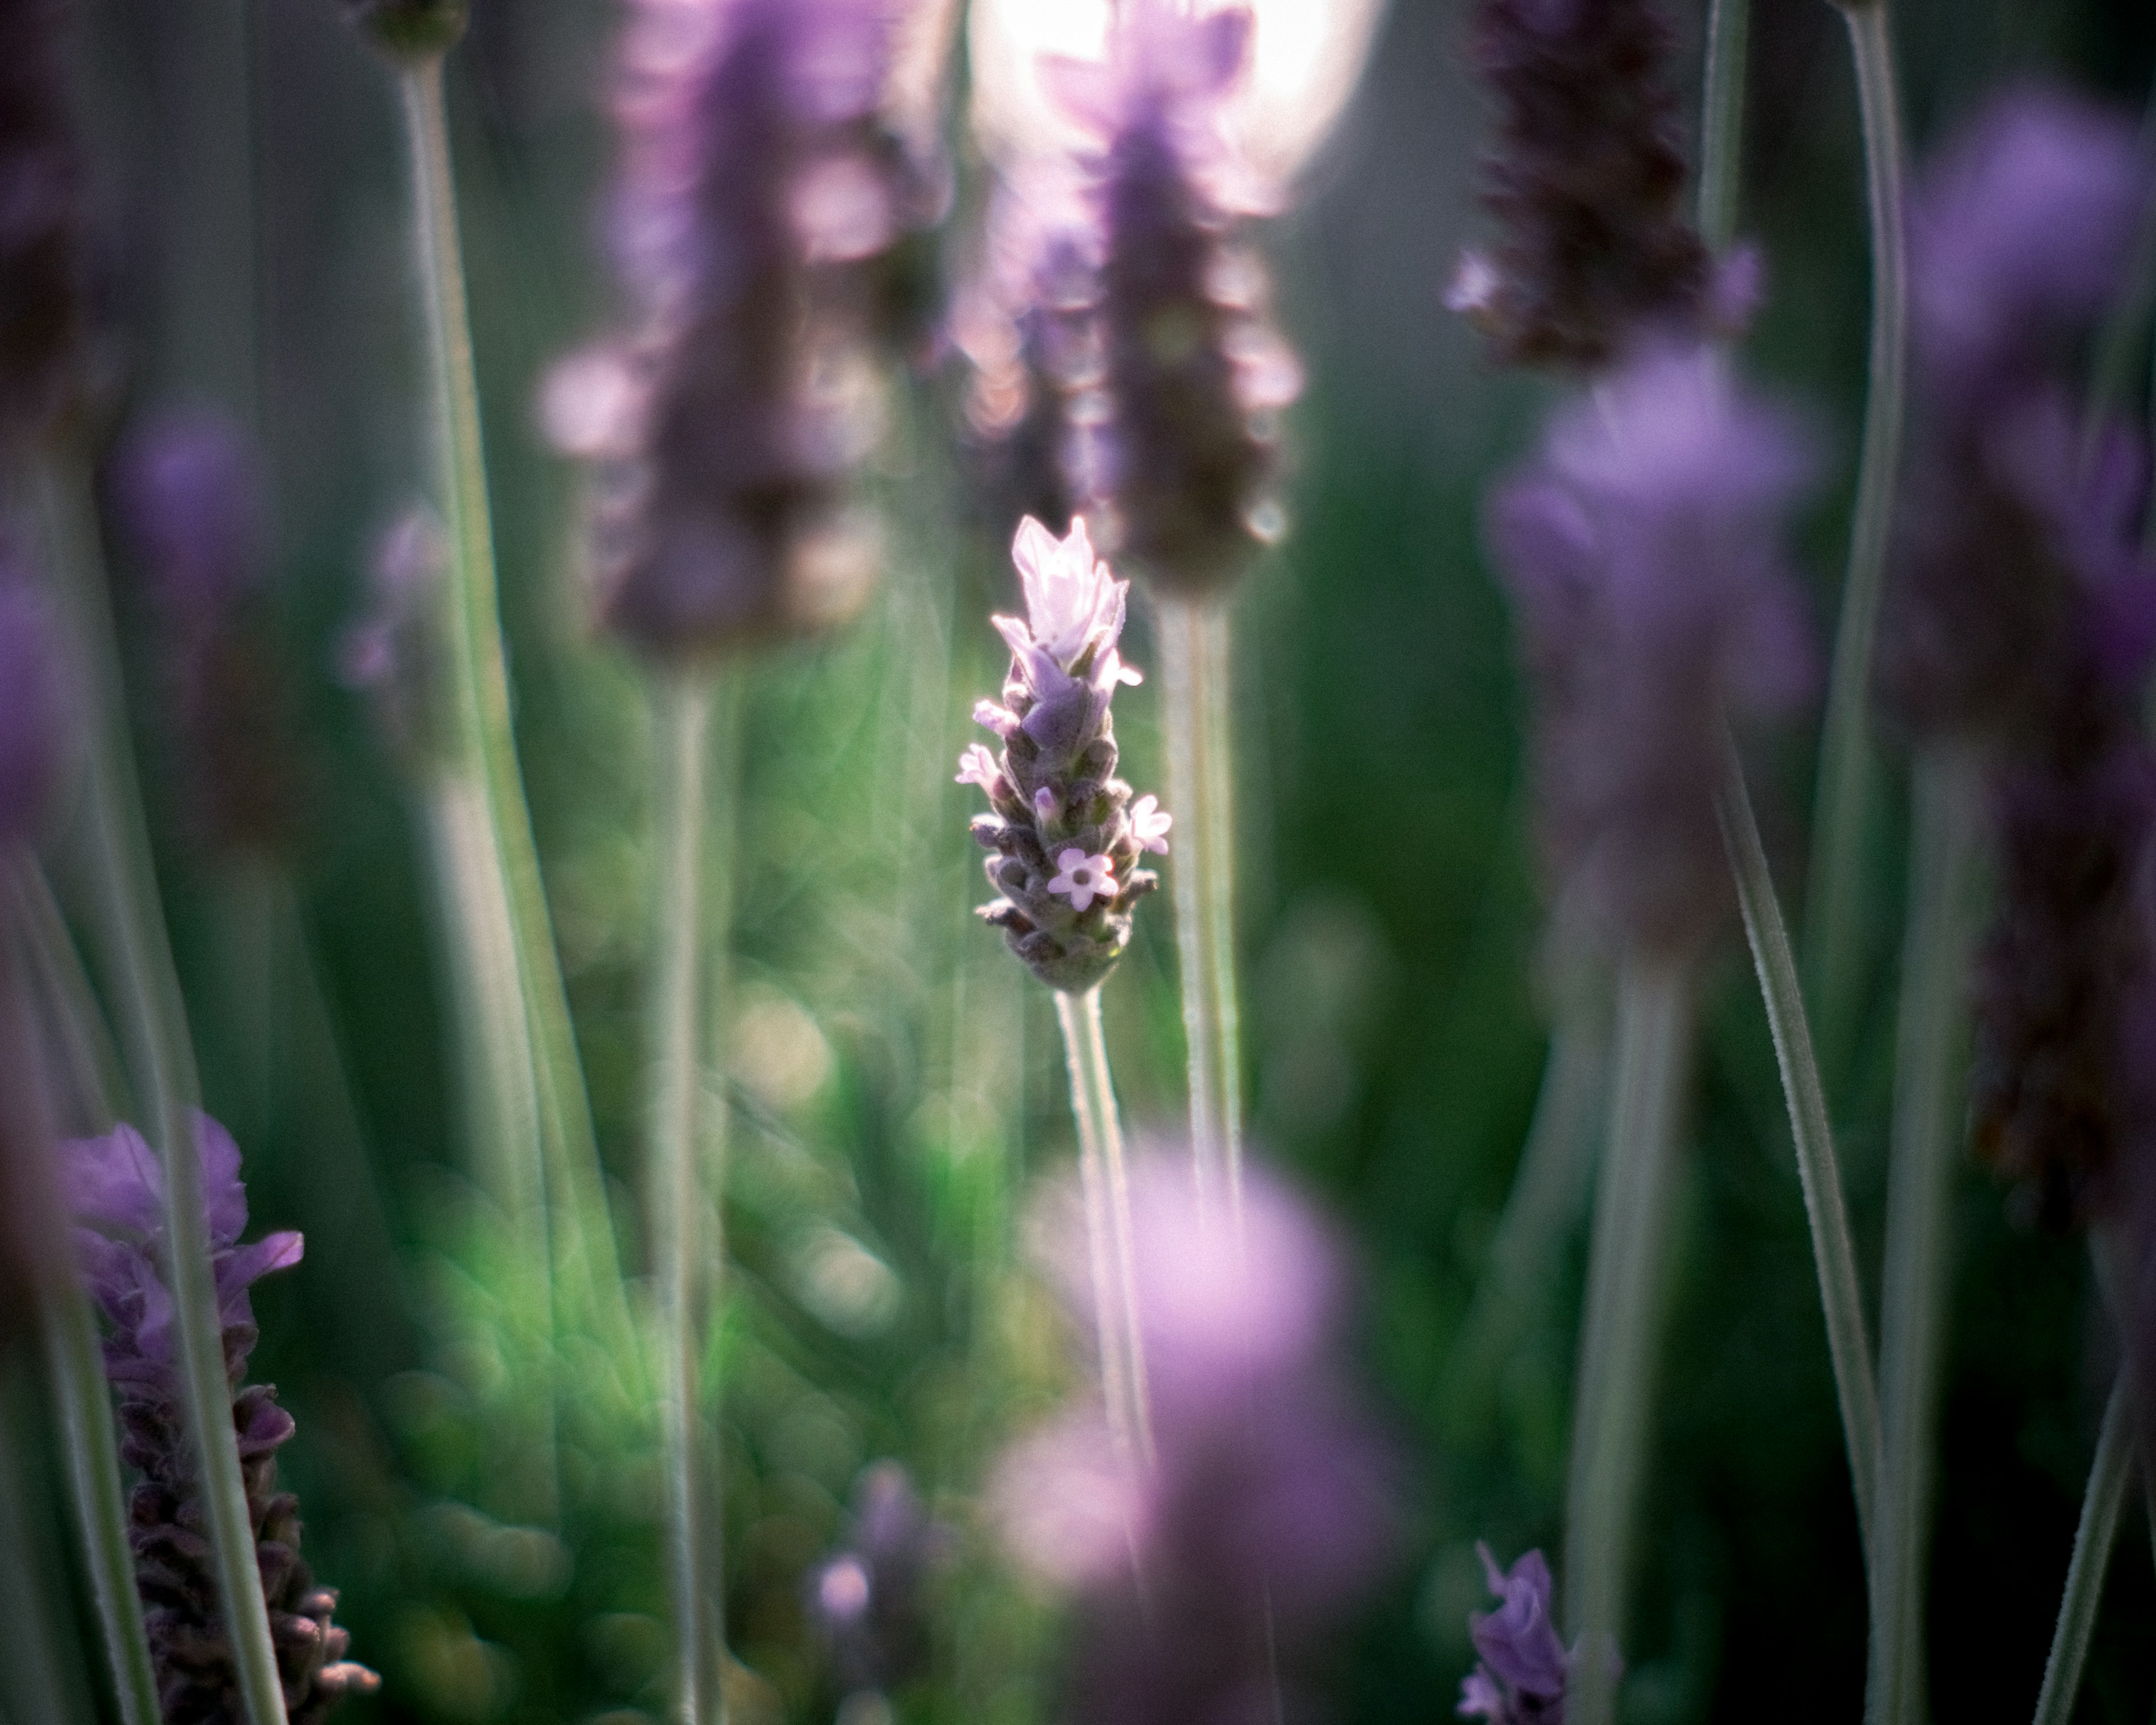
pixel 34 708
pixel 1174 403
pixel 42 325
pixel 1064 848
pixel 115 1188
pixel 2019 237
pixel 758 192
pixel 1521 1678
pixel 188 487
pixel 1267 1513
pixel 1585 181
pixel 869 1601
pixel 1642 550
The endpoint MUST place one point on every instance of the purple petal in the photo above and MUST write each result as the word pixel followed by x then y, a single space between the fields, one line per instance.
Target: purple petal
pixel 224 1199
pixel 114 1182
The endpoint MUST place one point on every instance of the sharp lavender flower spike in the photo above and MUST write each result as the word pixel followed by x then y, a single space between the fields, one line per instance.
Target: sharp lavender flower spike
pixel 758 195
pixel 1642 553
pixel 1064 850
pixel 115 1188
pixel 189 488
pixel 1521 1678
pixel 42 326
pixel 869 1601
pixel 33 707
pixel 1175 400
pixel 1265 1517
pixel 1585 182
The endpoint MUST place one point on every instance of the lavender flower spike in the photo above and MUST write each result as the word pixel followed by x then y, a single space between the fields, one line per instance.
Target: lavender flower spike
pixel 1642 552
pixel 116 1189
pixel 1065 846
pixel 1521 1678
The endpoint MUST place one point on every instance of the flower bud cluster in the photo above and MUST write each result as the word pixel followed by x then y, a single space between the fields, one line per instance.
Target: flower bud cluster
pixel 116 1189
pixel 869 1600
pixel 759 197
pixel 1585 182
pixel 1064 837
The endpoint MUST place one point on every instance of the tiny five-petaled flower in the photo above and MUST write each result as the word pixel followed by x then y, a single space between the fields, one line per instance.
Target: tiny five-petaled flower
pixel 1083 878
pixel 1149 823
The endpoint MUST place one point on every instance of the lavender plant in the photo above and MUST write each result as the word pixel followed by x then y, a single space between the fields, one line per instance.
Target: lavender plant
pixel 1523 1675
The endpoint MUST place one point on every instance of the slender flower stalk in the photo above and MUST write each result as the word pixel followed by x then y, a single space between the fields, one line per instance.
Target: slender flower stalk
pixel 1107 1192
pixel 34 1682
pixel 1834 1253
pixel 1614 1402
pixel 675 1191
pixel 1834 916
pixel 130 928
pixel 1929 1062
pixel 1721 122
pixel 1197 710
pixel 499 860
pixel 2110 1474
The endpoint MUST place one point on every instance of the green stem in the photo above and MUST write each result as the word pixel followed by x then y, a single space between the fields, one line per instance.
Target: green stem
pixel 674 1192
pixel 1833 916
pixel 1722 121
pixel 1612 1409
pixel 1927 1134
pixel 1107 1195
pixel 2109 1475
pixel 1834 1253
pixel 130 926
pixel 36 1681
pixel 1194 661
pixel 484 743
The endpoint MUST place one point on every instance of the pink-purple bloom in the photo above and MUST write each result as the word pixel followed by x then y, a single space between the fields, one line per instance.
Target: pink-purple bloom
pixel 758 193
pixel 1210 1584
pixel 1643 551
pixel 115 1187
pixel 869 1600
pixel 1521 1680
pixel 1065 845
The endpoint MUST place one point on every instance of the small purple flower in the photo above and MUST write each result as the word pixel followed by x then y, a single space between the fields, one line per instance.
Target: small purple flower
pixel 115 1187
pixel 1642 550
pixel 1065 850
pixel 1210 1584
pixel 34 707
pixel 42 324
pixel 1585 181
pixel 869 1601
pixel 758 194
pixel 2018 235
pixel 1521 1678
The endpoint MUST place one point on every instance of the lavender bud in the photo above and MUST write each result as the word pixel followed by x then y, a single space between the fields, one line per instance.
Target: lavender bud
pixel 188 489
pixel 116 1189
pixel 1521 1678
pixel 1642 553
pixel 1177 422
pixel 42 326
pixel 869 1600
pixel 1266 1515
pixel 34 708
pixel 758 192
pixel 1585 182
pixel 1067 867
pixel 410 29
pixel 389 653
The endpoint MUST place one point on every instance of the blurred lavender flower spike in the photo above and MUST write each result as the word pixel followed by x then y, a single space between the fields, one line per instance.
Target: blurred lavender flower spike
pixel 869 1602
pixel 1585 181
pixel 389 654
pixel 1209 1586
pixel 410 29
pixel 34 706
pixel 1176 424
pixel 759 195
pixel 42 326
pixel 1642 550
pixel 1064 850
pixel 187 486
pixel 2020 234
pixel 1521 1678
pixel 116 1189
